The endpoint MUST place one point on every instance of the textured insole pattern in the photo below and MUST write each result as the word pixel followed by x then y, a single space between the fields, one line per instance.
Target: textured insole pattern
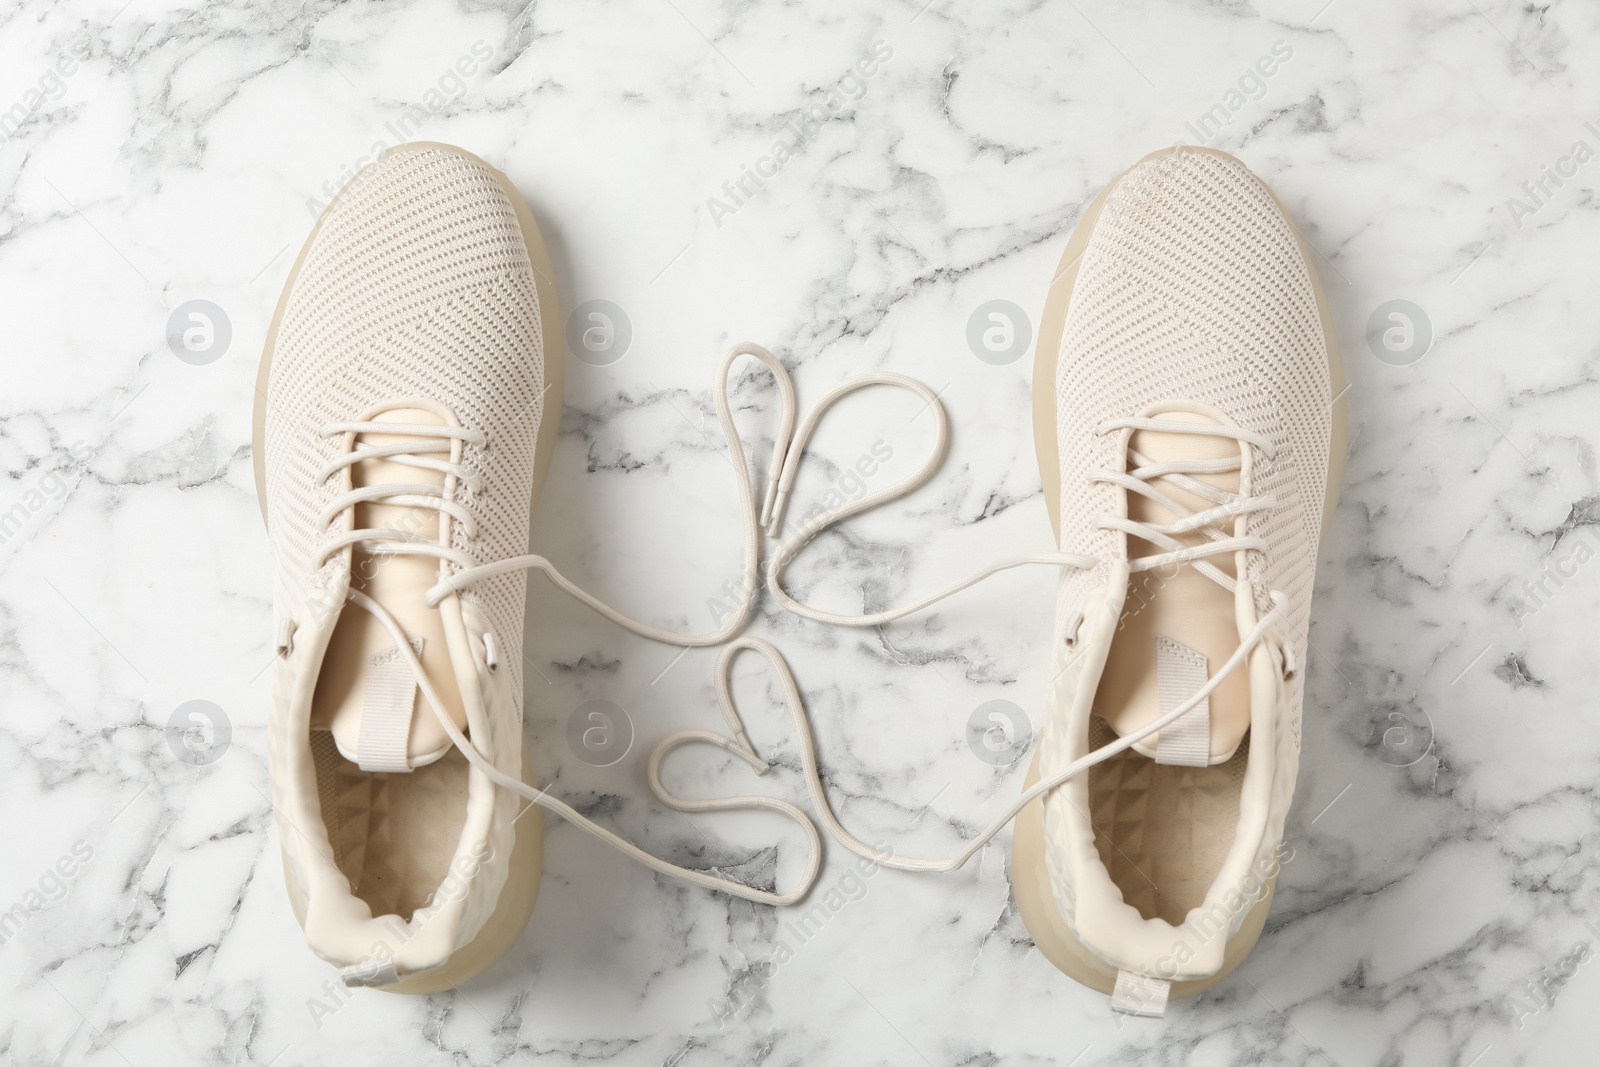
pixel 1161 831
pixel 393 835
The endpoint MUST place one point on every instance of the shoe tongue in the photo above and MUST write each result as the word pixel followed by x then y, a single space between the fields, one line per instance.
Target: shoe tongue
pixel 367 694
pixel 1177 625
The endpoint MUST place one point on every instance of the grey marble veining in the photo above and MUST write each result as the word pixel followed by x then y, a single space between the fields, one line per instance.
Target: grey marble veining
pixel 1442 905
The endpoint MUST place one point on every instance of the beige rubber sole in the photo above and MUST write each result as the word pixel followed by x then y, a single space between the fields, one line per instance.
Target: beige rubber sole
pixel 521 890
pixel 1029 880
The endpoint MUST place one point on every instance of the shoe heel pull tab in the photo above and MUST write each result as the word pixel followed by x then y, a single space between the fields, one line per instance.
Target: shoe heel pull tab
pixel 1140 994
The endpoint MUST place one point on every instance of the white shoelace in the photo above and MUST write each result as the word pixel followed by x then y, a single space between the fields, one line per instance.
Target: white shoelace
pixel 788 550
pixel 748 522
pixel 784 467
pixel 1178 473
pixel 540 797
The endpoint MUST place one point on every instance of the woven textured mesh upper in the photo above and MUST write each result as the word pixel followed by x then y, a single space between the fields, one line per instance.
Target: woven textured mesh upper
pixel 417 284
pixel 1193 287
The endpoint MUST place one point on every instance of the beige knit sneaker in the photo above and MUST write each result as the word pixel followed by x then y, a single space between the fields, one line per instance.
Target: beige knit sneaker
pixel 408 401
pixel 1190 446
pixel 1189 441
pixel 407 406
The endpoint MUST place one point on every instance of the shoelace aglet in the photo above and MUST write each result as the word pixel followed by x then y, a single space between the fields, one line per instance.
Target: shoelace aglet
pixel 780 503
pixel 741 745
pixel 767 504
pixel 780 458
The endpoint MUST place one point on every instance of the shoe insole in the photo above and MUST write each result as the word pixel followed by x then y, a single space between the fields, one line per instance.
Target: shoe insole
pixel 393 835
pixel 1163 832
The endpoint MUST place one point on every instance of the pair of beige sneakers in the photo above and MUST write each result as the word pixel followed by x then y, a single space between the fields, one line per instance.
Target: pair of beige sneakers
pixel 1187 429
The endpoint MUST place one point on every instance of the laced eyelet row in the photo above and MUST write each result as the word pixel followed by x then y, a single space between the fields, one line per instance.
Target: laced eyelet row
pixel 427 438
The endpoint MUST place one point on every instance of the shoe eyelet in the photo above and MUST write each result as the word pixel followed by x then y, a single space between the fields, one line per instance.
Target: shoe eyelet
pixel 285 641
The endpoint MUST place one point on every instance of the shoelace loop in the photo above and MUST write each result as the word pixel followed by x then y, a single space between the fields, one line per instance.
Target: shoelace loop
pixel 750 521
pixel 786 552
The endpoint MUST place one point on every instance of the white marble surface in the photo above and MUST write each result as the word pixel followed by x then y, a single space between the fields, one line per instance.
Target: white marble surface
pixel 1426 905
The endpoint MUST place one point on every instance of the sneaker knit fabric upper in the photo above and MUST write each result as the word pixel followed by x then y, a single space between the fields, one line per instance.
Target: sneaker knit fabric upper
pixel 417 284
pixel 1193 287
